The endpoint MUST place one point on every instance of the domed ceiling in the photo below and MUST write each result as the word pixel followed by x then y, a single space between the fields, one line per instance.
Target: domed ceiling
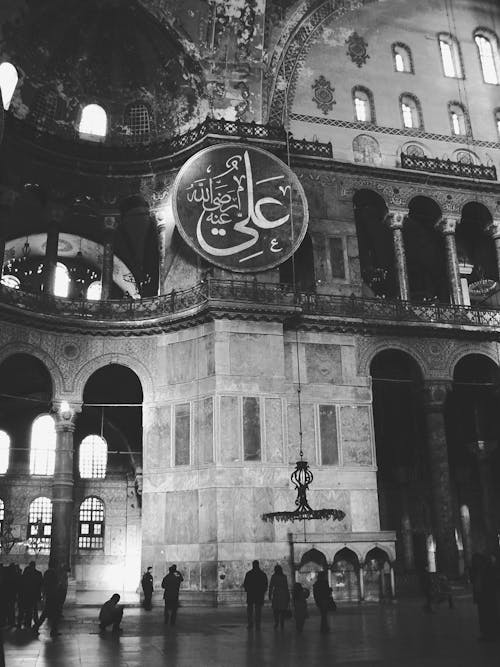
pixel 113 53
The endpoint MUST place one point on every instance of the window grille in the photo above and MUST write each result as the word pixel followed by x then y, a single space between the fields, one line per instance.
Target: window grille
pixel 91 524
pixel 40 524
pixel 93 457
pixel 138 121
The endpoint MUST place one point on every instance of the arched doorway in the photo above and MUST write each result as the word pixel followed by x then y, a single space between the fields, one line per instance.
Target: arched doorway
pixel 345 576
pixel 110 422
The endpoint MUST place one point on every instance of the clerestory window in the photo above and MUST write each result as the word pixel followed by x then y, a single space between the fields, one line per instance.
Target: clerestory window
pixel 93 123
pixel 8 83
pixel 93 457
pixel 4 452
pixel 43 446
pixel 487 46
pixel 450 56
pixel 40 524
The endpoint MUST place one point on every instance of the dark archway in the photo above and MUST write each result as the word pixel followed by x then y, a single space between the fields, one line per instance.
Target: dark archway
pixel 376 252
pixel 299 269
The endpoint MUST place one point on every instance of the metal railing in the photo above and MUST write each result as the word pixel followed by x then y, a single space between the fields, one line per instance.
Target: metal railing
pixel 233 294
pixel 436 165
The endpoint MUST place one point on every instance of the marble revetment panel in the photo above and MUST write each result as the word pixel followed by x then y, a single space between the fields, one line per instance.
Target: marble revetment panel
pixel 274 430
pixel 181 361
pixel 328 435
pixel 181 517
pixel 251 428
pixel 204 430
pixel 324 363
pixel 308 435
pixel 229 429
pixel 255 355
pixel 182 434
pixel 356 435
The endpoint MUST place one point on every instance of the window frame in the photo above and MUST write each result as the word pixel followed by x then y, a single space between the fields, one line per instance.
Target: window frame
pixel 5 452
pixel 92 450
pixel 456 55
pixel 50 453
pixel 415 110
pixel 369 101
pixel 496 114
pixel 91 523
pixel 465 116
pixel 40 540
pixel 492 38
pixel 139 137
pixel 13 69
pixel 408 65
pixel 92 136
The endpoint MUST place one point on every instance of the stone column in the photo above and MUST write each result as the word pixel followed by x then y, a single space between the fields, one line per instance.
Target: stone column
pixel 483 449
pixel 447 227
pixel 395 219
pixel 435 392
pixel 466 534
pixel 165 226
pixel 402 477
pixel 55 214
pixel 7 200
pixel 62 487
pixel 494 231
pixel 111 221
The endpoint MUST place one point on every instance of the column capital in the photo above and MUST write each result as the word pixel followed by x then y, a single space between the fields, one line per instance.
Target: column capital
pixel 494 229
pixel 435 392
pixel 395 217
pixel 160 215
pixel 447 225
pixel 111 220
pixel 65 414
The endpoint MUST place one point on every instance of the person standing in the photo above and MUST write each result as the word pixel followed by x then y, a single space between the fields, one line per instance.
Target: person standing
pixel 279 596
pixel 31 588
pixel 322 594
pixel 300 595
pixel 147 588
pixel 255 585
pixel 171 584
pixel 52 607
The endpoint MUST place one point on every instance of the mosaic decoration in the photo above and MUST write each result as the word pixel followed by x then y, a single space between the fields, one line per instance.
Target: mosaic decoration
pixel 323 94
pixel 240 207
pixel 356 49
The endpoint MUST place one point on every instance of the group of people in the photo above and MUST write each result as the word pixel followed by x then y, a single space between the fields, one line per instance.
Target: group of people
pixel 24 593
pixel 256 585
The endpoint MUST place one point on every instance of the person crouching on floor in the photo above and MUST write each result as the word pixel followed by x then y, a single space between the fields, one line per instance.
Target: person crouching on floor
pixel 111 614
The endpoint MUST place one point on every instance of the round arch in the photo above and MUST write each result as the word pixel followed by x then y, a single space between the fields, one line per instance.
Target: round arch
pixel 461 354
pixel 89 368
pixel 368 355
pixel 56 377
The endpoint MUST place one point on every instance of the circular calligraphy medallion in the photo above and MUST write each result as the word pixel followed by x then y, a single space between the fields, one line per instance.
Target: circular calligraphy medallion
pixel 240 207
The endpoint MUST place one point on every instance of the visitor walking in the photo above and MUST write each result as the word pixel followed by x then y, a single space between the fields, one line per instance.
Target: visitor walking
pixel 279 596
pixel 255 585
pixel 53 601
pixel 111 614
pixel 171 584
pixel 300 595
pixel 147 588
pixel 322 595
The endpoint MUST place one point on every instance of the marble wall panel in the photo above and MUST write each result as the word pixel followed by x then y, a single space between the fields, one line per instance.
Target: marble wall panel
pixel 157 440
pixel 251 429
pixel 356 435
pixel 203 443
pixel 236 514
pixel 324 363
pixel 273 430
pixel 206 356
pixel 364 510
pixel 255 355
pixel 181 518
pixel 208 515
pixel 328 435
pixel 230 436
pixel 182 433
pixel 289 357
pixel 181 361
pixel 308 433
pixel 153 518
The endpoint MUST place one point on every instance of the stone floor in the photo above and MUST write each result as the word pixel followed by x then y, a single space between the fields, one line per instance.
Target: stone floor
pixel 370 636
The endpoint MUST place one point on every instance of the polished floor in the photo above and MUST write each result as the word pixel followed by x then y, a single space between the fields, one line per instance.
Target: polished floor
pixel 397 635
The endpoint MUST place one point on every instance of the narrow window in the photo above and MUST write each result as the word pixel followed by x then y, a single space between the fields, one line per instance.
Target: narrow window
pixel 62 280
pixel 4 452
pixel 94 291
pixel 497 121
pixel 91 524
pixel 363 105
pixel 138 121
pixel 410 112
pixel 40 524
pixel 93 457
pixel 450 56
pixel 403 61
pixel 2 515
pixel 251 429
pixel 43 446
pixel 458 119
pixel 328 435
pixel 8 83
pixel 337 257
pixel 182 434
pixel 93 123
pixel 488 56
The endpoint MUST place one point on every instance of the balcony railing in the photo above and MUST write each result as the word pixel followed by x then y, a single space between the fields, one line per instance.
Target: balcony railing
pixel 234 295
pixel 435 165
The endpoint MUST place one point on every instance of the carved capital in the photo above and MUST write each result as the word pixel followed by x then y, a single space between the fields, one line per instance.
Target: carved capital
pixel 160 216
pixel 447 225
pixel 395 217
pixel 111 221
pixel 494 229
pixel 435 393
pixel 65 414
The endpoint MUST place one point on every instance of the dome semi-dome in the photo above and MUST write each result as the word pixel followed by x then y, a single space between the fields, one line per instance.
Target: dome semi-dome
pixel 71 54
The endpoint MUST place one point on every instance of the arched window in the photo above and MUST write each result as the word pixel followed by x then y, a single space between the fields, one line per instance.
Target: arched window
pixel 8 83
pixel 93 457
pixel 40 524
pixel 497 121
pixel 4 452
pixel 487 46
pixel 458 119
pixel 2 515
pixel 410 111
pixel 94 291
pixel 62 280
pixel 44 107
pixel 91 524
pixel 364 108
pixel 138 121
pixel 403 61
pixel 11 281
pixel 466 157
pixel 43 446
pixel 450 56
pixel 93 123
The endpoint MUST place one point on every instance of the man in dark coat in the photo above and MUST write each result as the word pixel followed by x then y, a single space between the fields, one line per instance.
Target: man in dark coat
pixel 171 584
pixel 111 613
pixel 30 593
pixel 53 595
pixel 322 594
pixel 12 578
pixel 147 588
pixel 255 585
